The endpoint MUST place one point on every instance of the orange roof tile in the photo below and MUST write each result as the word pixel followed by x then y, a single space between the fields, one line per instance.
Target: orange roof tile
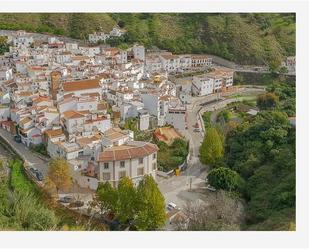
pixel 54 133
pixel 81 85
pixel 128 151
pixel 72 115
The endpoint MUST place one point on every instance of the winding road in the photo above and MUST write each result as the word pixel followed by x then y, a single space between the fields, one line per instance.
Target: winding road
pixel 176 189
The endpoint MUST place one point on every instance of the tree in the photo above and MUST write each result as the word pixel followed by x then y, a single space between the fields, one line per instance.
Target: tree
pixel 142 206
pixel 212 148
pixel 1 166
pixel 4 47
pixel 107 197
pixel 224 178
pixel 50 186
pixel 151 206
pixel 267 101
pixel 127 204
pixel 60 174
pixel 221 213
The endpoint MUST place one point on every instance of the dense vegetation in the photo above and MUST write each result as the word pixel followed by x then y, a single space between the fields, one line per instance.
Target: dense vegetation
pixel 41 149
pixel 263 38
pixel 4 47
pixel 225 178
pixel 20 207
pixel 25 207
pixel 287 96
pixel 263 153
pixel 140 207
pixel 259 157
pixel 172 156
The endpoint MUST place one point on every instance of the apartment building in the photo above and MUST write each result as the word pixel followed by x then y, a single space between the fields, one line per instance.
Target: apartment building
pixel 202 85
pixel 133 159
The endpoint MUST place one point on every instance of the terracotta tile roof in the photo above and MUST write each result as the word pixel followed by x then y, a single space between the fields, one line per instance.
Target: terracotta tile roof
pixel 72 115
pixel 25 93
pixel 96 120
pixel 25 120
pixel 81 85
pixel 102 106
pixel 127 151
pixel 79 58
pixel 170 57
pixel 87 140
pixel 114 134
pixel 91 94
pixel 166 134
pixel 40 99
pixel 54 133
pixel 200 56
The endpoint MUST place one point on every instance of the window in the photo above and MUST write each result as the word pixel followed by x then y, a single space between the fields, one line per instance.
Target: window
pixel 154 156
pixel 106 176
pixel 106 166
pixel 141 160
pixel 140 171
pixel 122 164
pixel 122 174
pixel 154 166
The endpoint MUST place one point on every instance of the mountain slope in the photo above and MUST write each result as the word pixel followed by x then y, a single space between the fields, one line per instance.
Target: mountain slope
pixel 263 38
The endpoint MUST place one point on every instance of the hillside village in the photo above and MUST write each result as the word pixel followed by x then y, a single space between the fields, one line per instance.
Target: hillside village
pixel 72 98
pixel 116 122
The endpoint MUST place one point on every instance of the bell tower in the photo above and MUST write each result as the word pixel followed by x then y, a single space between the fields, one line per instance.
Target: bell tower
pixel 55 83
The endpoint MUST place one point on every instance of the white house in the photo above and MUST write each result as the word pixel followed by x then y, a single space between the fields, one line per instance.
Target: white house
pixel 156 105
pixel 6 74
pixel 177 114
pixel 116 137
pixel 170 62
pixel 22 39
pixel 202 85
pixel 201 61
pixel 139 52
pixel 4 113
pixel 116 31
pixel 82 87
pixel 73 122
pixel 96 37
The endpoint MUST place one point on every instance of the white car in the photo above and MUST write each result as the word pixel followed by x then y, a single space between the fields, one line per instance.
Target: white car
pixel 171 206
pixel 210 188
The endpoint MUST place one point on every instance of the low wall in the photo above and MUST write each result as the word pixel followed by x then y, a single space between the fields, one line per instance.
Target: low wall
pixel 87 182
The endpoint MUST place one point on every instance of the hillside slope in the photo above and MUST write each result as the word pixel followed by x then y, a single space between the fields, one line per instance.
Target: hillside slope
pixel 263 38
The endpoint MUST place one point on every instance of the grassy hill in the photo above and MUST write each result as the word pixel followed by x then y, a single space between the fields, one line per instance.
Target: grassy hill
pixel 244 38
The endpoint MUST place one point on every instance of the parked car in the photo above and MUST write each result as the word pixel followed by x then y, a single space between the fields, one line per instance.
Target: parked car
pixel 210 188
pixel 39 175
pixel 17 139
pixel 33 171
pixel 67 199
pixel 171 206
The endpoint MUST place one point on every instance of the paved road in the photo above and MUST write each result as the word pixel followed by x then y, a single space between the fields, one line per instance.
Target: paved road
pixel 177 188
pixel 27 155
